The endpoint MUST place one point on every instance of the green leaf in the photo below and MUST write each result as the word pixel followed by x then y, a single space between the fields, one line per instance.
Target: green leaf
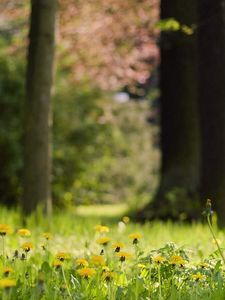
pixel 168 25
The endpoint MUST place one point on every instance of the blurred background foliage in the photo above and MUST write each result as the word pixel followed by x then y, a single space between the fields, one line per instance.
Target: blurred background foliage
pixel 11 124
pixel 100 145
pixel 104 142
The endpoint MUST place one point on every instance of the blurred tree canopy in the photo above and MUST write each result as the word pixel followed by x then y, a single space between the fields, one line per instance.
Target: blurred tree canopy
pixel 93 136
pixel 108 46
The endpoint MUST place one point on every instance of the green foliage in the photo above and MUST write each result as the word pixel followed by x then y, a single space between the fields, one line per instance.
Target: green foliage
pixel 172 24
pixel 168 25
pixel 11 116
pixel 99 148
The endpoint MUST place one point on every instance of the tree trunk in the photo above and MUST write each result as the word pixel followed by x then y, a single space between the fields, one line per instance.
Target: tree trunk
pixel 37 160
pixel 211 45
pixel 177 193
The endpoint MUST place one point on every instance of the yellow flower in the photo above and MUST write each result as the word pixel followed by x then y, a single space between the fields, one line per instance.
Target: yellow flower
pixel 103 241
pixel 24 232
pixel 105 269
pixel 159 259
pixel 98 260
pixel 198 276
pixel 126 219
pixel 56 263
pixel 47 235
pixel 27 246
pixel 82 262
pixel 108 275
pixel 7 271
pixel 141 266
pixel 5 229
pixel 118 246
pixel 7 283
pixel 101 228
pixel 203 265
pixel 86 272
pixel 218 241
pixel 123 256
pixel 177 260
pixel 62 256
pixel 135 237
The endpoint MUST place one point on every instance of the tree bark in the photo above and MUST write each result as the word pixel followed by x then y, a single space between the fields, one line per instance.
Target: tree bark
pixel 37 159
pixel 177 193
pixel 211 46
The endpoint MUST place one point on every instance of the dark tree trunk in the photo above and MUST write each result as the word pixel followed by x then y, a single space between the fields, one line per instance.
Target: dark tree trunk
pixel 211 45
pixel 37 161
pixel 178 187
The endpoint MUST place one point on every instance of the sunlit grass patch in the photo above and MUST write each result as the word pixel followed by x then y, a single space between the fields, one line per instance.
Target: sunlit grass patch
pixel 78 256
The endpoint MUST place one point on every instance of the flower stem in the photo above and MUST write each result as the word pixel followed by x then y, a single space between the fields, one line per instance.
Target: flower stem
pixel 160 287
pixel 3 249
pixel 150 278
pixel 214 237
pixel 67 288
pixel 136 271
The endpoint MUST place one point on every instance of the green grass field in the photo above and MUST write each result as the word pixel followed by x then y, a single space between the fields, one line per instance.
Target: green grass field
pixel 159 261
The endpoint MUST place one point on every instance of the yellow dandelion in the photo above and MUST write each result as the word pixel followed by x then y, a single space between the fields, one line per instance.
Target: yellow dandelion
pixel 24 232
pixel 82 262
pixel 101 228
pixel 98 260
pixel 47 235
pixel 7 271
pixel 198 276
pixel 5 229
pixel 142 266
pixel 123 255
pixel 63 256
pixel 118 246
pixel 105 269
pixel 126 219
pixel 159 259
pixel 135 237
pixel 177 260
pixel 203 265
pixel 57 263
pixel 216 241
pixel 103 241
pixel 108 275
pixel 27 246
pixel 6 283
pixel 86 272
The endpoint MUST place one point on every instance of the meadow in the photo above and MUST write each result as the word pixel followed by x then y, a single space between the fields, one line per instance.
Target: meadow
pixel 98 253
pixel 110 110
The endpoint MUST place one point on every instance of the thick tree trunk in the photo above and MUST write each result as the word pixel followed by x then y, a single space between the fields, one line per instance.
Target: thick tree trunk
pixel 37 161
pixel 178 187
pixel 211 44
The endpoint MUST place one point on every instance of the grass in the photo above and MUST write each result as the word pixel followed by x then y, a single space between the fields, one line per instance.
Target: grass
pixel 148 272
pixel 102 211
